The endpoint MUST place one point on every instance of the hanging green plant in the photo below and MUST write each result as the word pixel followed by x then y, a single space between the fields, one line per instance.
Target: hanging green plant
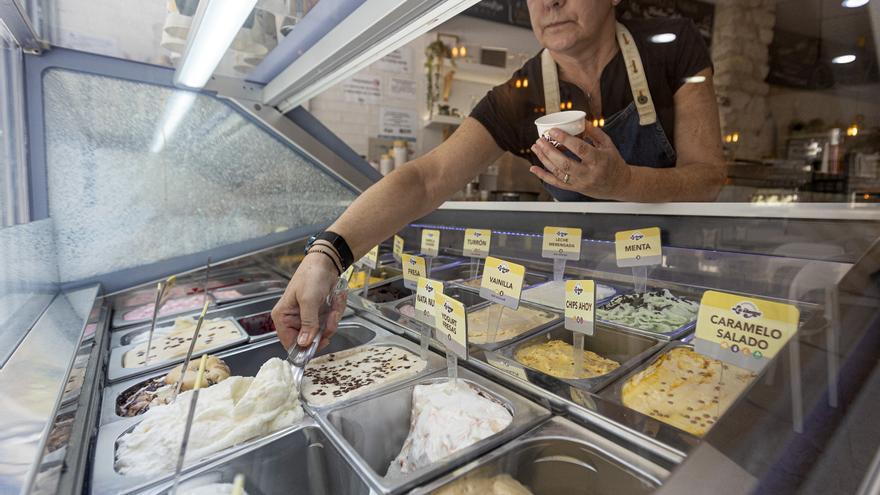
pixel 435 55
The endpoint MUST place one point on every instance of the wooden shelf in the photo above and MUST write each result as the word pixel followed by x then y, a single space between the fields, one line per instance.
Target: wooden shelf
pixel 482 74
pixel 443 120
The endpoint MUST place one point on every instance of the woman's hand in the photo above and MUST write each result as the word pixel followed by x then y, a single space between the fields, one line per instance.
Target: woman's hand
pixel 601 173
pixel 298 313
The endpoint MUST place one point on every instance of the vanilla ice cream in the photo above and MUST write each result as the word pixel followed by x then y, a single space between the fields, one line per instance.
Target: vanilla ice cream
pixel 447 417
pixel 211 489
pixel 174 343
pixel 342 375
pixel 503 484
pixel 229 413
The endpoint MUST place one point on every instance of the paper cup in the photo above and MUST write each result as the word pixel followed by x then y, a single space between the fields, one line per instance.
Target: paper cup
pixel 572 122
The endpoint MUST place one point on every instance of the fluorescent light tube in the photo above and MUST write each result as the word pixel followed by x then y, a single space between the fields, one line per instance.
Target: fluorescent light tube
pixel 215 26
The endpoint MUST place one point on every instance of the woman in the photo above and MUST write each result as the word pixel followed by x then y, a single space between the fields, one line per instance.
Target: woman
pixel 650 90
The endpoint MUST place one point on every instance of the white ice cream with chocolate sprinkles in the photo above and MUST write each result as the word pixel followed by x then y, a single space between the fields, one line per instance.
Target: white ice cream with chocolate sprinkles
pixel 341 375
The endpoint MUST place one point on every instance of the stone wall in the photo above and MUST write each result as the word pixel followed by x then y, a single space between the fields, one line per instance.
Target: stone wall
pixel 740 50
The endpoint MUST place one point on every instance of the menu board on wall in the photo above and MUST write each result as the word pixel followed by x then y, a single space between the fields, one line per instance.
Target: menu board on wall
pixel 511 12
pixel 702 13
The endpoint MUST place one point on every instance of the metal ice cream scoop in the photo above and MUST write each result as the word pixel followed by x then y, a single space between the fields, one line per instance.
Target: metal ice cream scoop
pixel 299 357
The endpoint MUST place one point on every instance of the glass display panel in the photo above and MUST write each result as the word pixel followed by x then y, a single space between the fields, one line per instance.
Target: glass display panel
pixel 137 168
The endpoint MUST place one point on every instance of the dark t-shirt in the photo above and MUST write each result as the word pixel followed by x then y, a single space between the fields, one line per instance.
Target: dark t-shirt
pixel 509 113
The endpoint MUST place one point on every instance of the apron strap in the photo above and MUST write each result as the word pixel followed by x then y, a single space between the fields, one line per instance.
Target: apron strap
pixel 636 73
pixel 551 83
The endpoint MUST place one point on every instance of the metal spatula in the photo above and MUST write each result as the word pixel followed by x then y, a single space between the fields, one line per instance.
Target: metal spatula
pixel 299 357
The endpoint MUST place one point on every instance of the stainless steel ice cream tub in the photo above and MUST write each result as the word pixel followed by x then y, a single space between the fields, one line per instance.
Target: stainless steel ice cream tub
pixel 117 371
pixel 472 282
pixel 491 346
pixel 127 336
pixel 302 462
pixel 245 361
pixel 371 432
pixel 119 315
pixel 627 349
pixel 671 335
pixel 557 457
pixel 243 292
pixel 560 304
pixel 106 480
pixel 403 312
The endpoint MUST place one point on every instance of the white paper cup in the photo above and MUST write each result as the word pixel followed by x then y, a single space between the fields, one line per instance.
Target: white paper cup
pixel 572 122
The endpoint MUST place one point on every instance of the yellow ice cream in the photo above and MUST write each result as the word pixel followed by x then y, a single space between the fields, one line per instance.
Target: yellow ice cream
pixel 503 484
pixel 357 280
pixel 686 390
pixel 513 322
pixel 556 358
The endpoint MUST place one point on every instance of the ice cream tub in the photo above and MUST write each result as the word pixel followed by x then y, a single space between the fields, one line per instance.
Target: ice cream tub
pixel 552 294
pixel 243 292
pixel 696 418
pixel 171 347
pixel 106 479
pixel 480 317
pixel 126 336
pixel 302 462
pixel 372 432
pixel 242 361
pixel 403 312
pixel 628 350
pixel 531 278
pixel 558 456
pixel 677 301
pixel 379 275
pixel 175 306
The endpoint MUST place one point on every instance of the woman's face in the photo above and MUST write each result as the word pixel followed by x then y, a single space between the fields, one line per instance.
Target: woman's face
pixel 563 25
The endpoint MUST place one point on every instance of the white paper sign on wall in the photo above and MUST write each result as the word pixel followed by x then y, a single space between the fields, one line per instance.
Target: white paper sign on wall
pixel 399 61
pixel 398 123
pixel 362 89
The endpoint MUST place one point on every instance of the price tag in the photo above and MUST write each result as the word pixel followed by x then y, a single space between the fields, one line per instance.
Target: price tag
pixel 640 247
pixel 371 259
pixel 426 300
pixel 580 306
pixel 451 325
pixel 504 366
pixel 562 243
pixel 413 268
pixel 430 242
pixel 743 331
pixel 476 243
pixel 502 282
pixel 397 250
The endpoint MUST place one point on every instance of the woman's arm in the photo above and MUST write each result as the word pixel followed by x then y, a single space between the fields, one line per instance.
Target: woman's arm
pixel 415 189
pixel 700 170
pixel 602 173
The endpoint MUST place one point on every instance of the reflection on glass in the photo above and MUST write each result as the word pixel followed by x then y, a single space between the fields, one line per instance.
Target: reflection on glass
pixel 142 173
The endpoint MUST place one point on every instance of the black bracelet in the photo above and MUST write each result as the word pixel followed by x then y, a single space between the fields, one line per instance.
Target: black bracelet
pixel 325 253
pixel 346 258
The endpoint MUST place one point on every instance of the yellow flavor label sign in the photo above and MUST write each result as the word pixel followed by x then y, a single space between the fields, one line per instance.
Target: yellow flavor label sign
pixel 580 306
pixel 397 250
pixel 426 300
pixel 476 243
pixel 562 243
pixel 371 259
pixel 413 268
pixel 502 282
pixel 640 247
pixel 743 331
pixel 347 273
pixel 451 325
pixel 430 242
